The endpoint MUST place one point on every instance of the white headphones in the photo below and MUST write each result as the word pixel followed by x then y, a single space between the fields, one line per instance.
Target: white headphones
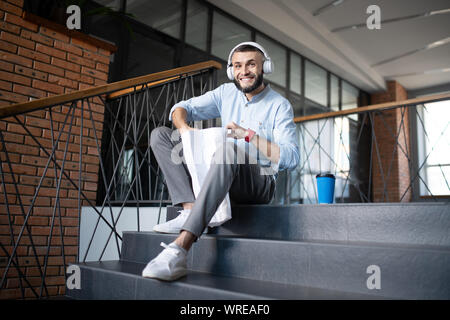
pixel 267 66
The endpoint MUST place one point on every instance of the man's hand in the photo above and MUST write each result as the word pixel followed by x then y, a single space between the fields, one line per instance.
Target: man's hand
pixel 179 120
pixel 269 149
pixel 237 132
pixel 186 128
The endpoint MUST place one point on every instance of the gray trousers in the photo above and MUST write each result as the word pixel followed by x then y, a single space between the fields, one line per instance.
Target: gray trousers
pixel 244 182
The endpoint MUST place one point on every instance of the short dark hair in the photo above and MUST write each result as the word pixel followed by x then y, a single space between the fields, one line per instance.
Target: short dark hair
pixel 247 47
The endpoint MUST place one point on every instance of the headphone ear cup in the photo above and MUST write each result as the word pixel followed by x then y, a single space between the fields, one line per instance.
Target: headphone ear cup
pixel 268 66
pixel 230 73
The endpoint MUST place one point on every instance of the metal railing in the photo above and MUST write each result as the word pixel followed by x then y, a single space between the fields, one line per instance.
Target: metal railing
pixel 378 153
pixel 86 149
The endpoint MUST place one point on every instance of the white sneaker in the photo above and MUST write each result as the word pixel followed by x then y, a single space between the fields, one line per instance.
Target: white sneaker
pixel 174 225
pixel 169 265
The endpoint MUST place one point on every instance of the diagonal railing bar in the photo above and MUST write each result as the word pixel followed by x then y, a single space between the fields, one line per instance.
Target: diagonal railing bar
pixel 443 174
pixel 332 161
pixel 303 185
pixel 374 140
pixel 114 173
pixel 50 157
pixel 21 275
pixel 65 174
pixel 80 162
pixel 8 212
pixel 369 189
pixel 163 123
pixel 57 202
pixel 306 162
pixel 147 107
pixel 423 163
pixel 58 186
pixel 348 157
pixel 102 171
pixel 308 154
pixel 122 207
pixel 408 151
pixel 126 132
pixel 351 164
pixel 136 160
pixel 11 231
pixel 354 182
pixel 397 144
pixel 418 171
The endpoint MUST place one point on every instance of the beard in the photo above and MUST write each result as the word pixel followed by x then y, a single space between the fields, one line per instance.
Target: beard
pixel 253 87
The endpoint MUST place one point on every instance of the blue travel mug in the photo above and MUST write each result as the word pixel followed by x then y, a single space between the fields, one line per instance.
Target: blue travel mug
pixel 325 187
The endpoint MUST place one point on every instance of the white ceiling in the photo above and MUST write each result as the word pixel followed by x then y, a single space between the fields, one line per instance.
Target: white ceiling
pixel 354 53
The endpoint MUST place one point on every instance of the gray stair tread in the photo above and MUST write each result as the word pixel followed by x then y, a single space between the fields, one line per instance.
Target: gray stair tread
pixel 408 271
pixel 410 223
pixel 339 243
pixel 239 288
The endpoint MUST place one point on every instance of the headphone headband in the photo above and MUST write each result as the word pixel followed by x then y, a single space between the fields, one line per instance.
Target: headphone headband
pixel 267 65
pixel 249 43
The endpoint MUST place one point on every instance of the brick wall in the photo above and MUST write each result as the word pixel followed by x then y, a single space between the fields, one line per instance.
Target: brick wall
pixel 37 62
pixel 394 172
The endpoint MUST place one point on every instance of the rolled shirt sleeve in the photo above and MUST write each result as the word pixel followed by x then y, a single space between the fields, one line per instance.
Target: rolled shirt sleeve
pixel 285 136
pixel 204 107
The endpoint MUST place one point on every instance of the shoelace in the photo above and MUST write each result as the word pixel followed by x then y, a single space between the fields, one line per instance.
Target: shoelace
pixel 184 212
pixel 171 250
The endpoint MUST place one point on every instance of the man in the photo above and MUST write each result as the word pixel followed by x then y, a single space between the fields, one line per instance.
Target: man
pixel 261 122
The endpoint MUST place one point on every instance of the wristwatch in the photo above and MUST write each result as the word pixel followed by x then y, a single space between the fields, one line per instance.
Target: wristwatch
pixel 250 135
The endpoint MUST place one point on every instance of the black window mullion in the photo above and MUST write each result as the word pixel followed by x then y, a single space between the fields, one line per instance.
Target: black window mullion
pixel 209 31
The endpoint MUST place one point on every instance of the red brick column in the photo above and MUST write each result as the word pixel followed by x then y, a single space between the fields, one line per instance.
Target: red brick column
pixel 37 62
pixel 392 155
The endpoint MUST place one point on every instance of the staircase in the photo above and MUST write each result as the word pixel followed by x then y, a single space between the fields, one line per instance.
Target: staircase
pixel 293 252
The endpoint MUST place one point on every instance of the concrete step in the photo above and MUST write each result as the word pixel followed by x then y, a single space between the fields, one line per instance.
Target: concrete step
pixel 123 280
pixel 406 271
pixel 408 223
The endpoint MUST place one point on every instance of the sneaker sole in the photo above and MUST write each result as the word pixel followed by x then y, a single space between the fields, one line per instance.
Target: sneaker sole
pixel 166 231
pixel 173 231
pixel 169 278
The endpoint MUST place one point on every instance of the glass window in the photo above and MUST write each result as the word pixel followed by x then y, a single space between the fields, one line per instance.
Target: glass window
pixel 349 98
pixel 164 16
pixel 296 73
pixel 139 64
pixel 295 101
pixel 280 90
pixel 226 34
pixel 197 25
pixel 315 83
pixel 278 55
pixel 434 152
pixel 334 93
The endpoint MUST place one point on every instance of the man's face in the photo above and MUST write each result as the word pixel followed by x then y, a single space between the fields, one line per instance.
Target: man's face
pixel 247 68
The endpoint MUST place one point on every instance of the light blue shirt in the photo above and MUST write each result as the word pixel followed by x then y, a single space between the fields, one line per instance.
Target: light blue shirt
pixel 268 114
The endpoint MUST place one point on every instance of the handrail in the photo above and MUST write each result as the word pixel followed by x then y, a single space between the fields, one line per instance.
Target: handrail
pixel 375 107
pixel 138 88
pixel 18 108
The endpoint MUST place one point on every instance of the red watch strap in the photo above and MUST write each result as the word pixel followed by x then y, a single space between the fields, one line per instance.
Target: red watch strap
pixel 250 135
